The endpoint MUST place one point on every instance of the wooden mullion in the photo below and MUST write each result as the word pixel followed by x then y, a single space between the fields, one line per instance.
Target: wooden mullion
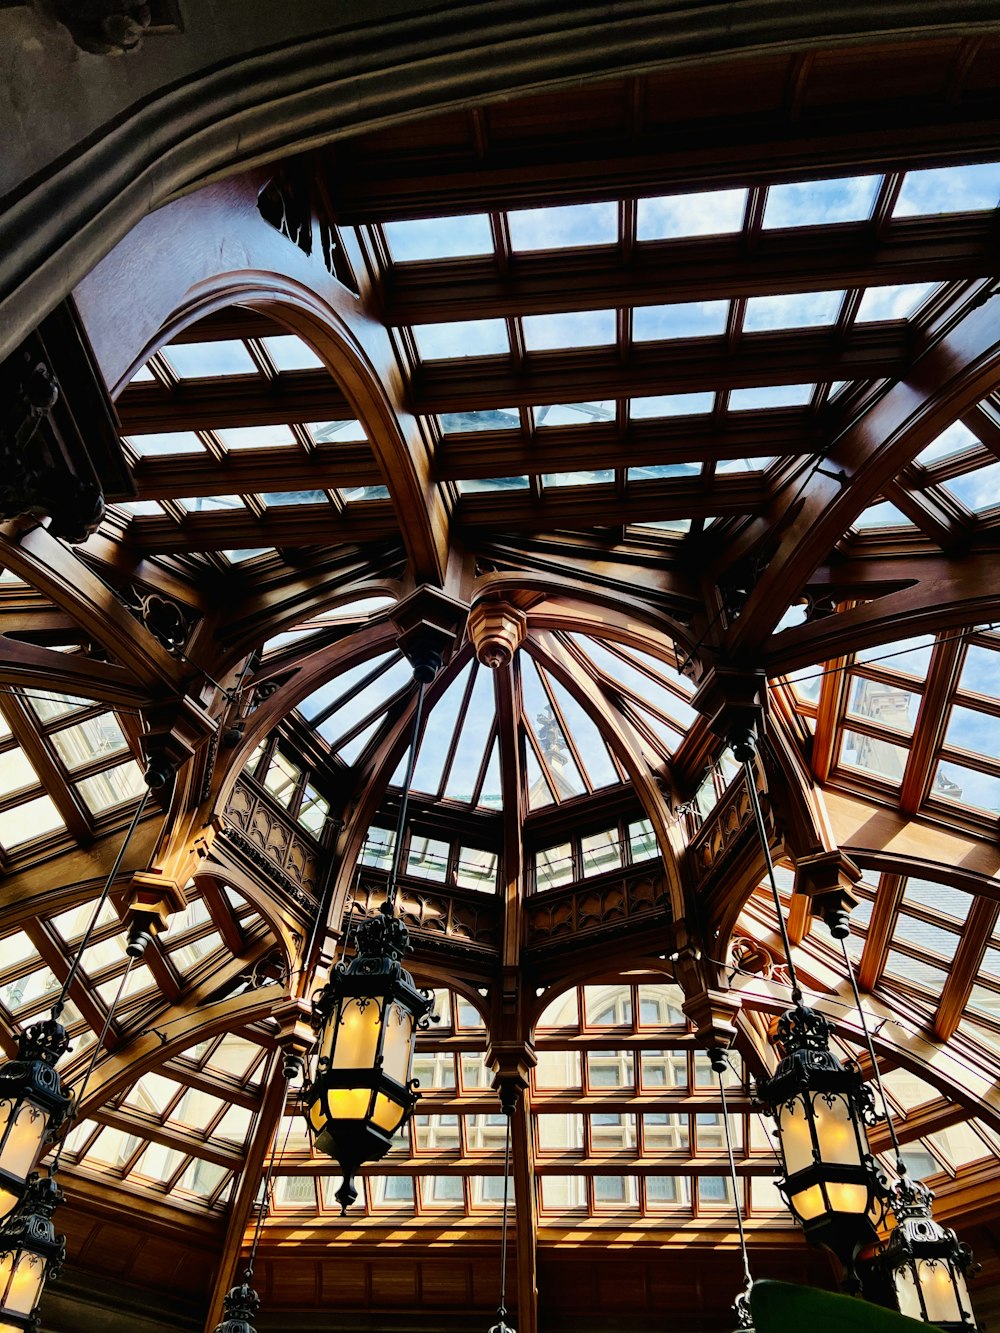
pixel 881 928
pixel 831 706
pixel 50 770
pixel 976 935
pixel 90 1005
pixel 942 677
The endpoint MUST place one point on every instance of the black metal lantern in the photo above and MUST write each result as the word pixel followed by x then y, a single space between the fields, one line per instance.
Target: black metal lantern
pixel 831 1182
pixel 32 1107
pixel 30 1253
pixel 239 1309
pixel 926 1263
pixel 367 1016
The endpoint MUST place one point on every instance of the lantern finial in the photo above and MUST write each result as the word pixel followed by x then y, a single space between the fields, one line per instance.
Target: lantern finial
pixel 240 1307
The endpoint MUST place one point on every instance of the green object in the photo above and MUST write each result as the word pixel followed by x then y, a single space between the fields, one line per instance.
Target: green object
pixel 782 1307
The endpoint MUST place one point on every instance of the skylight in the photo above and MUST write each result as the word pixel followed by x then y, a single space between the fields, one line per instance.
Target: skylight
pixel 671 405
pixel 705 213
pixel 289 352
pixel 196 504
pixel 657 471
pixel 210 360
pixel 556 479
pixel 256 437
pixel 274 499
pixel 978 490
pixel 165 443
pixel 955 440
pixel 337 432
pixel 898 302
pixel 578 328
pixel 799 310
pixel 687 319
pixel 574 414
pixel 971 188
pixel 564 227
pixel 491 418
pixel 470 337
pixel 440 238
pixel 884 515
pixel 770 396
pixel 818 203
pixel 471 485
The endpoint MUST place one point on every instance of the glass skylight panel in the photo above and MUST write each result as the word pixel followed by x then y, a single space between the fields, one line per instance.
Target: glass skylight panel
pixel 955 440
pixel 671 405
pixel 896 302
pixel 818 203
pixel 275 499
pixel 685 319
pixel 374 696
pixel 770 396
pixel 28 990
pixel 574 414
pixel 941 899
pixel 883 515
pixel 969 729
pixel 972 188
pixel 361 494
pixel 659 471
pixel 16 772
pixel 569 329
pixel 438 732
pixel 163 444
pixel 978 490
pixel 112 787
pixel 198 504
pixel 873 755
pixel 139 508
pixel 210 360
pixel 911 656
pixel 471 748
pixel 492 418
pixel 337 432
pixel 889 705
pixel 317 702
pixel 468 337
pixel 564 226
pixel 474 485
pixel 143 376
pixel 459 237
pixel 554 480
pixel 244 553
pixel 256 437
pixel 792 310
pixel 89 740
pixel 590 744
pixel 736 465
pixel 981 671
pixel 289 352
pixel 551 739
pixel 705 213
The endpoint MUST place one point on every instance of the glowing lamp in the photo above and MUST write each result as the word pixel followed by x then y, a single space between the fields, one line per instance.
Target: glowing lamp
pixel 926 1262
pixel 30 1252
pixel 821 1107
pixel 367 1018
pixel 32 1107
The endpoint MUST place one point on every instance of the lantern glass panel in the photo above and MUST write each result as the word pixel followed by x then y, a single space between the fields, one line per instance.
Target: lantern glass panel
pixel 847 1198
pixel 349 1103
pixel 808 1203
pixel 835 1132
pixel 355 1038
pixel 939 1292
pixel 22 1276
pixel 22 1133
pixel 387 1114
pixel 794 1133
pixel 398 1044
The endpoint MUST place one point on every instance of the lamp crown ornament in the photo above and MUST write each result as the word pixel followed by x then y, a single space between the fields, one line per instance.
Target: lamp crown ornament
pixel 240 1307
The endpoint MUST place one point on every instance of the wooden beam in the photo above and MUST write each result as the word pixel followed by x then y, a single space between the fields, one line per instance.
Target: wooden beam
pixel 976 934
pixel 311 525
pixel 256 471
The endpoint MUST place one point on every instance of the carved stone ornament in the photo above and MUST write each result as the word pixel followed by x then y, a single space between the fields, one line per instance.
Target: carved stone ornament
pixel 105 27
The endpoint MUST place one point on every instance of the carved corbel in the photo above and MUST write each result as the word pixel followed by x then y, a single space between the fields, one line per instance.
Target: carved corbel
pixel 732 698
pixel 153 899
pixel 497 630
pixel 512 1063
pixel 827 879
pixel 429 624
pixel 710 1007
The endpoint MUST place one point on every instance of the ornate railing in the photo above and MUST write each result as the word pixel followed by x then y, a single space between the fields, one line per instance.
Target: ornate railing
pixel 600 907
pixel 259 830
pixel 435 917
pixel 722 827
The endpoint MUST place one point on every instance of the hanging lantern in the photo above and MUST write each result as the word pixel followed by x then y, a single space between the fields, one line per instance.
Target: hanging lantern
pixel 831 1182
pixel 239 1309
pixel 926 1262
pixel 367 1016
pixel 32 1107
pixel 30 1252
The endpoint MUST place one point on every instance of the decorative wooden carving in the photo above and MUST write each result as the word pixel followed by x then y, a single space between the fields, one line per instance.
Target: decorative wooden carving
pixel 265 835
pixel 723 826
pixel 434 917
pixel 165 619
pixel 286 204
pixel 497 629
pixel 604 907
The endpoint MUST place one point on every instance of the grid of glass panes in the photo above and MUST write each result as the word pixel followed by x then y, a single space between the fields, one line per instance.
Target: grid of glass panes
pixel 80 757
pixel 966 775
pixel 627 1114
pixel 332 459
pixel 446 861
pixel 288 783
pixel 181 1130
pixel 542 431
pixel 879 710
pixel 625 843
pixel 447 1160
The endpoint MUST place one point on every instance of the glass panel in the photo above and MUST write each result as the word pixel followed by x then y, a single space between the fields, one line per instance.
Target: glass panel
pixel 601 852
pixel 642 841
pixel 476 869
pixel 574 414
pixel 688 319
pixel 563 1193
pixel 665 1131
pixel 210 359
pixel 558 1069
pixel 472 337
pixel 792 311
pixel 29 821
pixel 671 405
pixel 973 187
pixel 887 704
pixel 978 490
pixel 898 302
pixel 16 772
pixel 981 671
pixel 705 213
pixel 493 418
pixel 814 203
pixel 439 238
pixel 608 1006
pixel 770 396
pixel 962 786
pixel 89 740
pixel 112 787
pixel 560 1133
pixel 563 227
pixel 660 1005
pixel 577 328
pixel 428 858
pixel 554 866
pixel 872 754
pixel 611 1069
pixel 163 444
pixel 289 352
pixel 664 1069
pixel 969 729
